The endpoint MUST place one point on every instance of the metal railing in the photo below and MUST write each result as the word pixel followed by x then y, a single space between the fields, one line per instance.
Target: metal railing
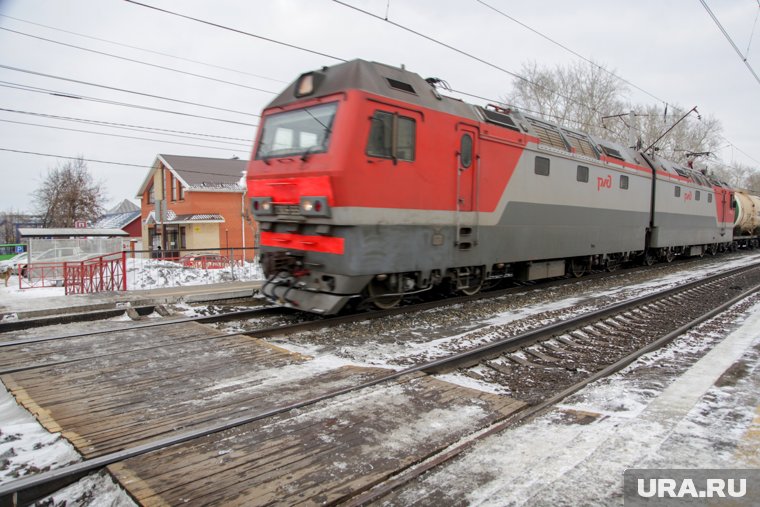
pixel 143 269
pixel 100 274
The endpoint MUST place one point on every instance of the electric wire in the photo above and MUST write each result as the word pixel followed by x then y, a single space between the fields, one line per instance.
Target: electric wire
pixel 464 53
pixel 140 62
pixel 575 53
pixel 16 86
pixel 190 60
pixel 742 57
pixel 109 162
pixel 55 127
pixel 123 90
pixel 235 30
pixel 341 59
pixel 752 33
pixel 127 126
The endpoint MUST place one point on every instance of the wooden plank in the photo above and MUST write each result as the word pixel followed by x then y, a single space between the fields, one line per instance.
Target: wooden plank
pixel 320 454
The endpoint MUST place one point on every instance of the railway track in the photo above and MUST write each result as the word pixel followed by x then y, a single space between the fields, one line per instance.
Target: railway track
pixel 560 358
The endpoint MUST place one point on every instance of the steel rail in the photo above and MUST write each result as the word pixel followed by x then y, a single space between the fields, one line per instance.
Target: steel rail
pixel 529 413
pixel 143 325
pixel 19 490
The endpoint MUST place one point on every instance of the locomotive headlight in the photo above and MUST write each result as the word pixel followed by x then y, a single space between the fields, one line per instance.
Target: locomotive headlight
pixel 315 206
pixel 262 206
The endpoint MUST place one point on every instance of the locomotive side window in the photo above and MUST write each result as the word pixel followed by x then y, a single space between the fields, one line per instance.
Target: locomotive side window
pixel 678 191
pixel 697 195
pixel 582 174
pixel 465 155
pixel 542 166
pixel 709 198
pixel 624 182
pixel 391 136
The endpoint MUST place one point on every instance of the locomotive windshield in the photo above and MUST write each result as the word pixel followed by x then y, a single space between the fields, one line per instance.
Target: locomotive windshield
pixel 298 132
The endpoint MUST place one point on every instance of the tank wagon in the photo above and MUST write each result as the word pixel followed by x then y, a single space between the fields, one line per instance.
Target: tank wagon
pixel 369 185
pixel 747 221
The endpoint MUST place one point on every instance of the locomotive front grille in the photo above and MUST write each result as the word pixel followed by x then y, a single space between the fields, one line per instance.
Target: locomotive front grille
pixel 287 209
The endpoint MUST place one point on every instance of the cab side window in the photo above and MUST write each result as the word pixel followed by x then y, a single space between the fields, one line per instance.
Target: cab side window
pixel 392 136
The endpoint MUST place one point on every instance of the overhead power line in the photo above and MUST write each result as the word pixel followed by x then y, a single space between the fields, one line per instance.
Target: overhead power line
pixel 55 127
pixel 75 158
pixel 124 90
pixel 464 53
pixel 141 166
pixel 127 126
pixel 575 53
pixel 742 57
pixel 66 95
pixel 235 30
pixel 137 48
pixel 140 62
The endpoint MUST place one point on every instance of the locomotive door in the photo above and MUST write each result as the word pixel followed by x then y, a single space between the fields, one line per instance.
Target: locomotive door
pixel 467 169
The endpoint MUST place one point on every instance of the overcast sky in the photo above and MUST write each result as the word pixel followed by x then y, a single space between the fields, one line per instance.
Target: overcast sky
pixel 673 50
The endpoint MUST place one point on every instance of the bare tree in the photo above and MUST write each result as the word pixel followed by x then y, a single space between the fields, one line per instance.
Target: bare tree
pixel 753 182
pixel 589 98
pixel 576 96
pixel 69 193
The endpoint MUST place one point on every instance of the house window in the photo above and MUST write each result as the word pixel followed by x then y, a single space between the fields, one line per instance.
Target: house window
pixel 624 182
pixel 181 191
pixel 542 166
pixel 151 195
pixel 182 238
pixel 391 136
pixel 582 174
pixel 174 187
pixel 678 191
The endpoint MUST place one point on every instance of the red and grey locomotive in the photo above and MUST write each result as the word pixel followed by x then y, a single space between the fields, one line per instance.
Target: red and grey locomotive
pixel 369 185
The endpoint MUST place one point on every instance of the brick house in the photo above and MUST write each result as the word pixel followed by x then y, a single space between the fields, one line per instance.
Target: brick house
pixel 195 203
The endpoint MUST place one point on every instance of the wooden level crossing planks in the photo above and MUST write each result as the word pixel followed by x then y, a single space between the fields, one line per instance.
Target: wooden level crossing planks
pixel 319 454
pixel 110 402
pixel 102 344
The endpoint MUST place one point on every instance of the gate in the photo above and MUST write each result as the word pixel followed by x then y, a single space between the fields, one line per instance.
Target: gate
pixel 99 274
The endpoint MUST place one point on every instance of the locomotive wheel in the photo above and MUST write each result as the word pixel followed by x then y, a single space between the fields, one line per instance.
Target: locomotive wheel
pixel 377 291
pixel 712 249
pixel 648 259
pixel 577 268
pixel 669 256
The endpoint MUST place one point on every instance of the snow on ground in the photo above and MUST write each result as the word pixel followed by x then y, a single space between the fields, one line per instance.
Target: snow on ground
pixel 25 446
pixel 154 274
pixel 697 420
pixel 524 466
pixel 97 490
pixel 383 344
pixel 150 274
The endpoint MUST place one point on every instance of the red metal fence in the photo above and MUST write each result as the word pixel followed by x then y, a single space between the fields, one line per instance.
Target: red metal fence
pixel 99 274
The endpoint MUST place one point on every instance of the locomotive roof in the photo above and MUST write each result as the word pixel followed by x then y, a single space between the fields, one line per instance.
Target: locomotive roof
pixel 379 79
pixel 403 85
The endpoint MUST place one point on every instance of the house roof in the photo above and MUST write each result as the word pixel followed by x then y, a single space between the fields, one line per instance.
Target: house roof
pixel 67 232
pixel 124 206
pixel 171 217
pixel 119 216
pixel 117 220
pixel 201 174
